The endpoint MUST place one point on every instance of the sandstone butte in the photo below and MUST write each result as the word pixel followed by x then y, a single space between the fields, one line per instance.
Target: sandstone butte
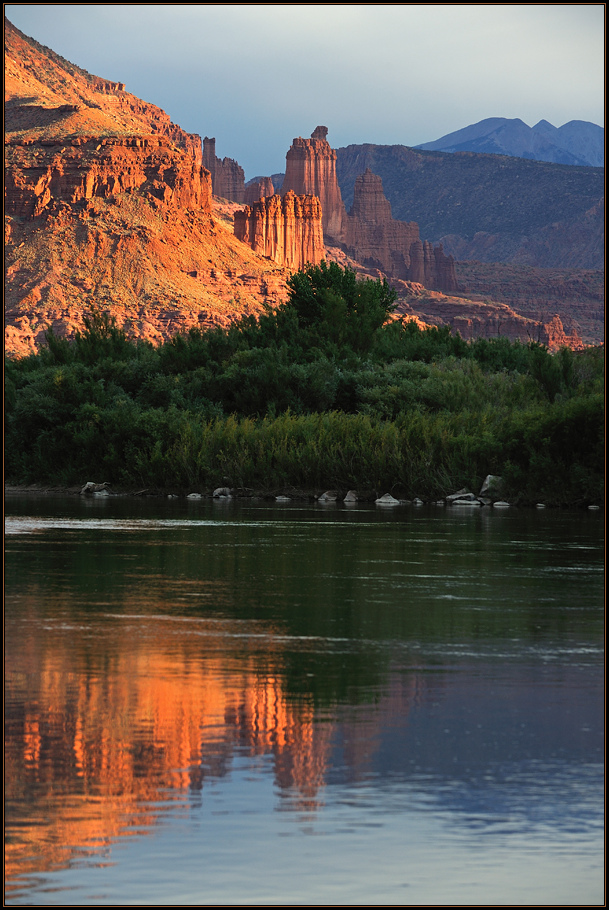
pixel 368 233
pixel 108 204
pixel 371 242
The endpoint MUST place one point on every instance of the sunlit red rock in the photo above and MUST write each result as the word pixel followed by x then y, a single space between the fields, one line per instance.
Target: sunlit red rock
pixel 311 170
pixel 286 229
pixel 259 189
pixel 368 233
pixel 39 176
pixel 228 179
pixel 107 205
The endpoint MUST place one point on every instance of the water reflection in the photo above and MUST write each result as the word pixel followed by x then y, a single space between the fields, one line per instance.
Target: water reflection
pixel 158 667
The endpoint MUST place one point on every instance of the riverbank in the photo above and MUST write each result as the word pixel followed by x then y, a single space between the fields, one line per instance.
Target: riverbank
pixel 325 497
pixel 302 400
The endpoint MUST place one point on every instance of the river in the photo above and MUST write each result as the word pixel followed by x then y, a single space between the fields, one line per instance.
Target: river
pixel 242 703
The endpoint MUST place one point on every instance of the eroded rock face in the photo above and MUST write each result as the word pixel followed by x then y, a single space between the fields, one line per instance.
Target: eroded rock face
pixel 554 335
pixel 374 238
pixel 430 267
pixel 108 207
pixel 577 295
pixel 227 177
pixel 43 173
pixel 260 189
pixel 286 229
pixel 311 171
pixel 368 233
pixel 370 204
pixel 477 319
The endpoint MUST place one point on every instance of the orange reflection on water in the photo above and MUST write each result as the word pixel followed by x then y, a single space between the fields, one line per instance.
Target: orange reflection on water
pixel 110 726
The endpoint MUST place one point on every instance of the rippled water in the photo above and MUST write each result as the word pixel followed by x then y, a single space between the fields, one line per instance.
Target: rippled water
pixel 235 703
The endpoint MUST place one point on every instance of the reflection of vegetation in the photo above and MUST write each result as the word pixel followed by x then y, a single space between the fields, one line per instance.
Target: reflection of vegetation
pixel 321 605
pixel 327 390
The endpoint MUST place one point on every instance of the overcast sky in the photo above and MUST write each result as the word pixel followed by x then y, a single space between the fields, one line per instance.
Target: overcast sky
pixel 256 76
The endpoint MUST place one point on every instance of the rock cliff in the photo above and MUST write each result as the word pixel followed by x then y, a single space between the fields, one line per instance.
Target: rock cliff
pixel 286 229
pixel 472 318
pixel 39 175
pixel 483 319
pixel 108 206
pixel 258 189
pixel 368 233
pixel 227 177
pixel 47 97
pixel 578 295
pixel 311 170
pixel 374 238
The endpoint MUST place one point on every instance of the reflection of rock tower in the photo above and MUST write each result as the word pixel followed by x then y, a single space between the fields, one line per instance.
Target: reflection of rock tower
pixel 154 726
pixel 310 169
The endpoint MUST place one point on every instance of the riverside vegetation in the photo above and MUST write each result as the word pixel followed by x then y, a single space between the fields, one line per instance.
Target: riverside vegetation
pixel 328 390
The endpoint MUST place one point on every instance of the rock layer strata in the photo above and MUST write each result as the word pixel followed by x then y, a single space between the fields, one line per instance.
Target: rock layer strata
pixel 108 206
pixel 227 177
pixel 286 229
pixel 368 233
pixel 40 175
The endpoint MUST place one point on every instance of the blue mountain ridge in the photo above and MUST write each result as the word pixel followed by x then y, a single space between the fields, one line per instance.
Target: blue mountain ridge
pixel 577 142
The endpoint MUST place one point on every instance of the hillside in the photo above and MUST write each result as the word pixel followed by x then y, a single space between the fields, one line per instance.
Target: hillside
pixel 577 294
pixel 107 205
pixel 488 207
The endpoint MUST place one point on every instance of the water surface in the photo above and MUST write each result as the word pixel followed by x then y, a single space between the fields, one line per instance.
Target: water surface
pixel 235 703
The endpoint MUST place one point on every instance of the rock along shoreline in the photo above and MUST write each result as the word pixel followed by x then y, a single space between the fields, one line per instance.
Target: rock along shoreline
pixel 328 497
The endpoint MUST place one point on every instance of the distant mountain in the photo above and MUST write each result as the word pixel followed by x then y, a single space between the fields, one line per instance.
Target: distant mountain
pixel 489 208
pixel 577 142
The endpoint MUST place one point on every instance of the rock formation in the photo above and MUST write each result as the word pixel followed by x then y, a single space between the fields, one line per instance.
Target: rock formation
pixel 482 319
pixel 368 233
pixel 374 238
pixel 370 205
pixel 487 207
pixel 258 189
pixel 108 206
pixel 286 229
pixel 578 295
pixel 311 170
pixel 431 267
pixel 227 177
pixel 39 176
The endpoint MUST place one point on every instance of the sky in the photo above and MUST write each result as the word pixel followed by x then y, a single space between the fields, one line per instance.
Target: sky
pixel 254 76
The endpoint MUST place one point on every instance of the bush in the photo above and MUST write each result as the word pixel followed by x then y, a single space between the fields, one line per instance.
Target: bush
pixel 325 390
